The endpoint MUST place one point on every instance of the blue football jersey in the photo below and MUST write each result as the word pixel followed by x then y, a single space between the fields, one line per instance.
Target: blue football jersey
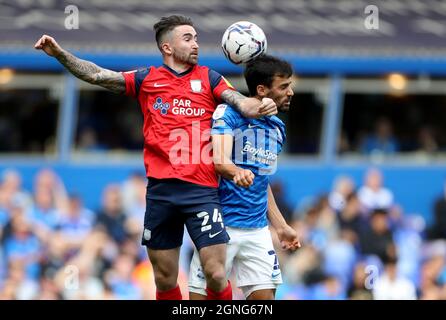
pixel 256 145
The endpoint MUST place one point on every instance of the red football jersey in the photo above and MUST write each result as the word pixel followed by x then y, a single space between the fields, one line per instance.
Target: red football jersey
pixel 177 110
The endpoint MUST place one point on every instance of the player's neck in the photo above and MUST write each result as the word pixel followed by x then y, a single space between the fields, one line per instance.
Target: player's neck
pixel 177 67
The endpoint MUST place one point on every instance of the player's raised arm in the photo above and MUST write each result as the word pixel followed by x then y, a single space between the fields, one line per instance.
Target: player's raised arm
pixel 287 235
pixel 249 107
pixel 84 70
pixel 222 150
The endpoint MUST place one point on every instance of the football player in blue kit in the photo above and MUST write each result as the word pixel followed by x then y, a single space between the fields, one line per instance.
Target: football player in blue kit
pixel 245 155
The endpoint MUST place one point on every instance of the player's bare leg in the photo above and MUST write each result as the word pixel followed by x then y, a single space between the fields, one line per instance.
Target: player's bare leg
pixel 264 294
pixel 196 296
pixel 165 267
pixel 213 262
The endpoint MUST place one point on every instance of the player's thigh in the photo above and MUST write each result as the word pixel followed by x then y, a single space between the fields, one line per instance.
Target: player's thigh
pixel 213 258
pixel 205 225
pixel 163 225
pixel 257 263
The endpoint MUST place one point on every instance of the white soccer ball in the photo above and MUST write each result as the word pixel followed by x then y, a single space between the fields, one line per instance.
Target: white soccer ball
pixel 243 41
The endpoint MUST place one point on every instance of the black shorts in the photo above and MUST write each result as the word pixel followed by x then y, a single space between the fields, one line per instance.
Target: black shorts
pixel 173 203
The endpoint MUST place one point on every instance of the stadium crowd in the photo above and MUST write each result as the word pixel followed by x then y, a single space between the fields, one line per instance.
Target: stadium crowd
pixel 357 243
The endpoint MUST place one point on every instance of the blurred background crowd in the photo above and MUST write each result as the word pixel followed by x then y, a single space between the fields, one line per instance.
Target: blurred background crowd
pixel 358 243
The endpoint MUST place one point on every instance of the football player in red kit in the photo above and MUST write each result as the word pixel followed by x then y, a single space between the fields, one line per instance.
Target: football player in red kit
pixel 177 100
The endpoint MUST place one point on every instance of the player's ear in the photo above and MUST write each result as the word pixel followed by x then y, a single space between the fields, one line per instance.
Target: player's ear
pixel 166 48
pixel 261 90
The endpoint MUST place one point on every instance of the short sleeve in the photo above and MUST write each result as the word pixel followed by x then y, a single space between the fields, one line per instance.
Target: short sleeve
pixel 218 84
pixel 224 120
pixel 133 81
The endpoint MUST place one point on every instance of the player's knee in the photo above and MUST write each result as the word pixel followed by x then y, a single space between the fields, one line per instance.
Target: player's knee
pixel 216 273
pixel 165 280
pixel 219 276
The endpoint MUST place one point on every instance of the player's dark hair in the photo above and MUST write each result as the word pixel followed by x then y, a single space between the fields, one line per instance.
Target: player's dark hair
pixel 263 69
pixel 167 24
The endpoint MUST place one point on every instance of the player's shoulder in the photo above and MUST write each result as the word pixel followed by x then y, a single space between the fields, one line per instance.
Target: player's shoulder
pixel 279 126
pixel 226 111
pixel 204 68
pixel 144 70
pixel 139 71
pixel 213 76
pixel 207 74
pixel 277 122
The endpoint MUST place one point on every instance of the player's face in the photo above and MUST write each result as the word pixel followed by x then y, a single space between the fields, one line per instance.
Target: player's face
pixel 184 45
pixel 281 92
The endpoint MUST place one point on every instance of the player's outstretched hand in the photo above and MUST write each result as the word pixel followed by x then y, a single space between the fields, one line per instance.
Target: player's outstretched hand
pixel 49 45
pixel 243 178
pixel 288 238
pixel 268 107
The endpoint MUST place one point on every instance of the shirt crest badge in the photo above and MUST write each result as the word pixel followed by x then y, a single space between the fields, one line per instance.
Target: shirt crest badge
pixel 195 85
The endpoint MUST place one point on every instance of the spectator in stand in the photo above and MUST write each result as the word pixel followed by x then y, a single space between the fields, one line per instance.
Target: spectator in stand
pixel 11 195
pixel 427 142
pixel 320 223
pixel 432 283
pixel 78 278
pixel 343 144
pixel 438 227
pixel 378 239
pixel 133 192
pixel 381 141
pixel 12 192
pixel 43 215
pixel 50 200
pixel 111 216
pixel 21 285
pixel 20 244
pixel 49 180
pixel 329 289
pixel 75 224
pixel 343 187
pixel 339 257
pixel 119 279
pixel 56 255
pixel 373 195
pixel 391 286
pixel 88 141
pixel 358 288
pixel 350 218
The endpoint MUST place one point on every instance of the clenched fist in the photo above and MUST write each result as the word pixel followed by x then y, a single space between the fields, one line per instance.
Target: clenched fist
pixel 243 178
pixel 268 107
pixel 49 45
pixel 254 108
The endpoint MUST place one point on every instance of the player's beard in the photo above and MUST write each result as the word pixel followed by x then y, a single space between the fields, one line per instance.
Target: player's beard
pixel 285 106
pixel 186 58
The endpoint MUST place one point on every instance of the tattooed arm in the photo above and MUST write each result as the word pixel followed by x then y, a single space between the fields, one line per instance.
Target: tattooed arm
pixel 82 69
pixel 249 107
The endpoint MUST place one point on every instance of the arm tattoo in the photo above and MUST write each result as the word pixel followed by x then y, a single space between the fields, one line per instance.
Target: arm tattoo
pixel 92 73
pixel 233 98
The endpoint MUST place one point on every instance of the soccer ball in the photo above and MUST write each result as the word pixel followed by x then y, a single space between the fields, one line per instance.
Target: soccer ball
pixel 243 41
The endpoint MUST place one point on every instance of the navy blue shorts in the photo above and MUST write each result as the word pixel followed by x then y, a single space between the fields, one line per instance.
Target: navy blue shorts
pixel 173 203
